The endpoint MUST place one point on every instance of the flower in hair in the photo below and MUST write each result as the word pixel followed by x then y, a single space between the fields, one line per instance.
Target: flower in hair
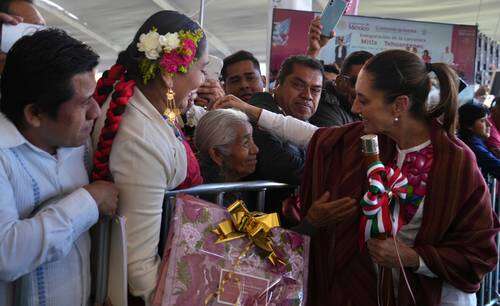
pixel 150 45
pixel 169 41
pixel 171 53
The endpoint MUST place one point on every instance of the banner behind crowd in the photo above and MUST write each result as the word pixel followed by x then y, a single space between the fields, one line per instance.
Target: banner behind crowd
pixel 434 42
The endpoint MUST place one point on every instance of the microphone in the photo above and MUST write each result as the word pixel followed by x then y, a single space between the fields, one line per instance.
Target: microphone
pixel 385 287
pixel 369 147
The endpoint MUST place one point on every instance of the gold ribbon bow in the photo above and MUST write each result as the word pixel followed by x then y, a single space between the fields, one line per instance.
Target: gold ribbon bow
pixel 255 225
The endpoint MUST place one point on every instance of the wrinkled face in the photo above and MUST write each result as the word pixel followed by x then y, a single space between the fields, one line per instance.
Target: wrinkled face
pixel 243 80
pixel 242 157
pixel 186 84
pixel 481 128
pixel 75 117
pixel 299 94
pixel 371 105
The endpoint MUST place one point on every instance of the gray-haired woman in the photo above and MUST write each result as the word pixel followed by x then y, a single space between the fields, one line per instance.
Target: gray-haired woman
pixel 224 140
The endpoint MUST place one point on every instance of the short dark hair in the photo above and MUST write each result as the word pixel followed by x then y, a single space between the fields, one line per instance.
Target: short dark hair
pixel 5 5
pixel 355 58
pixel 331 68
pixel 288 64
pixel 469 113
pixel 38 70
pixel 237 57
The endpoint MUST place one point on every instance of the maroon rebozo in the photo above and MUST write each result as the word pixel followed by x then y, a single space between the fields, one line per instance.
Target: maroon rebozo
pixel 456 238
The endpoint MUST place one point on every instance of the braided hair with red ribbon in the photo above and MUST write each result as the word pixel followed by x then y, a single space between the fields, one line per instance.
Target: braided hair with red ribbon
pixel 123 91
pixel 121 79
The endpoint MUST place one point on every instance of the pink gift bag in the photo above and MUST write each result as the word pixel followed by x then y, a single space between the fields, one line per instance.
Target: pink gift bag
pixel 197 271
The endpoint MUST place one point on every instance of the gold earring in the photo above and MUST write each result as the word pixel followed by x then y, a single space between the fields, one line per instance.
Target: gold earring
pixel 171 112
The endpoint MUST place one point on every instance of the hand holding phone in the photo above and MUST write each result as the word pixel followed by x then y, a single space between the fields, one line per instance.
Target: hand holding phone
pixel 213 68
pixel 315 40
pixel 331 15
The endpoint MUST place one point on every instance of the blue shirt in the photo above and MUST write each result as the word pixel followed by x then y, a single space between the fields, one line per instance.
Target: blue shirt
pixel 486 160
pixel 45 215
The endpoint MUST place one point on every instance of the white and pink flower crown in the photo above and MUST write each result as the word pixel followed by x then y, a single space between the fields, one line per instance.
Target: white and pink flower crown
pixel 172 52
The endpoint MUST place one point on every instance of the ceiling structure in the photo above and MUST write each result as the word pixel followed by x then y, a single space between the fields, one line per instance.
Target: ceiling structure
pixel 231 25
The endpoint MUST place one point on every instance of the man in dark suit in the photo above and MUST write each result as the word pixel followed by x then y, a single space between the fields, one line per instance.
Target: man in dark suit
pixel 340 52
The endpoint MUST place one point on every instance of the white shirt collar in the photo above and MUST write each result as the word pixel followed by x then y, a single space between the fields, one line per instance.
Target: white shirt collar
pixel 402 153
pixel 415 148
pixel 10 136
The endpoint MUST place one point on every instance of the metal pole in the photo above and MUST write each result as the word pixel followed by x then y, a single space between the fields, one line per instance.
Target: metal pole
pixel 270 7
pixel 220 199
pixel 201 19
pixel 261 200
pixel 167 213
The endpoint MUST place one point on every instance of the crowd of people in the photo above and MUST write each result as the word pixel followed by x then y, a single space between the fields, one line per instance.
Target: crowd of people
pixel 73 149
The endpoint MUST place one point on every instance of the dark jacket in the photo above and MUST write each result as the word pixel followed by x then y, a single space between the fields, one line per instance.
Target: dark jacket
pixel 212 175
pixel 340 59
pixel 278 160
pixel 486 160
pixel 333 110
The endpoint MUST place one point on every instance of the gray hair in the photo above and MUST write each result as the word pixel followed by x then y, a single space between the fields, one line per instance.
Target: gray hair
pixel 217 129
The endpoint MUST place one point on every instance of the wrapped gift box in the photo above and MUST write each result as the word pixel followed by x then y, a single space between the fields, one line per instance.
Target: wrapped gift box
pixel 198 271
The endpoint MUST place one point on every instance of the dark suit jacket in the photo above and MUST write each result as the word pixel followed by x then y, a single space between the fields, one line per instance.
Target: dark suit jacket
pixel 278 160
pixel 332 110
pixel 340 59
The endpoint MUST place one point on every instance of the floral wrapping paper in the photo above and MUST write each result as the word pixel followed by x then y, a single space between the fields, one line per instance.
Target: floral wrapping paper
pixel 194 267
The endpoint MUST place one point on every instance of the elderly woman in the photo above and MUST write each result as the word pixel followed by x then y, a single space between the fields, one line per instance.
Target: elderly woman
pixel 474 131
pixel 227 152
pixel 445 240
pixel 224 140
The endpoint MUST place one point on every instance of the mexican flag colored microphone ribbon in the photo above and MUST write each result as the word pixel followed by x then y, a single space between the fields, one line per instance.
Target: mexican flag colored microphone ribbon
pixel 381 213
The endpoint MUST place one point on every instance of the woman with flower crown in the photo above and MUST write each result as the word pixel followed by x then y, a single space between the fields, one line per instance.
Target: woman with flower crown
pixel 138 141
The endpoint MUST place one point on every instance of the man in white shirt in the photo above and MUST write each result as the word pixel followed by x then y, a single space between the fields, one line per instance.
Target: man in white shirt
pixel 47 204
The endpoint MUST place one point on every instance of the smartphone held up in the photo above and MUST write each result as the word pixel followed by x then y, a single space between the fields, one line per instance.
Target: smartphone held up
pixel 331 15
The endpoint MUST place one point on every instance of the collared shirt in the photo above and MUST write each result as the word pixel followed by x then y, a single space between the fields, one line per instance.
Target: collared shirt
pixel 44 247
pixel 147 159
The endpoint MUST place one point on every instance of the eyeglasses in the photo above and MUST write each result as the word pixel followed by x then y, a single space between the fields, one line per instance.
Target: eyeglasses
pixel 346 80
pixel 300 86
